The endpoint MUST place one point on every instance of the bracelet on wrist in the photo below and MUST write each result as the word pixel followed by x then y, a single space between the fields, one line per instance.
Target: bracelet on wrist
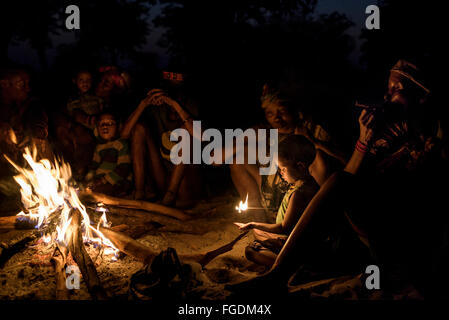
pixel 361 147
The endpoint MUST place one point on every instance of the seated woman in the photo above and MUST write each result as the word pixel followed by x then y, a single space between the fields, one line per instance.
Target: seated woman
pixel 110 171
pixel 267 191
pixel 295 155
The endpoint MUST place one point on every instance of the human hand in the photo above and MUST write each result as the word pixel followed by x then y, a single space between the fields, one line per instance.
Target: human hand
pixel 300 130
pixel 153 98
pixel 244 226
pixel 366 122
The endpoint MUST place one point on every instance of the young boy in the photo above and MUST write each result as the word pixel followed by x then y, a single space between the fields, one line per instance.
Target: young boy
pixel 84 106
pixel 110 171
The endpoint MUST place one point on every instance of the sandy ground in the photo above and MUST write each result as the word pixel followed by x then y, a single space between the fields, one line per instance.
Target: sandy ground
pixel 29 275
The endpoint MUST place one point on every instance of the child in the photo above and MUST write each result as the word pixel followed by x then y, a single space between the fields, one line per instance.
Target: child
pixel 74 125
pixel 110 171
pixel 84 106
pixel 296 153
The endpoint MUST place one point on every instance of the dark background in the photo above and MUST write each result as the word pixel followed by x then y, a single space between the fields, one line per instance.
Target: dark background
pixel 319 49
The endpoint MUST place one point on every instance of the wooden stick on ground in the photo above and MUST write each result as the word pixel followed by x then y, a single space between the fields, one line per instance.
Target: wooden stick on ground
pixel 168 224
pixel 59 260
pixel 134 204
pixel 226 248
pixel 145 254
pixel 82 258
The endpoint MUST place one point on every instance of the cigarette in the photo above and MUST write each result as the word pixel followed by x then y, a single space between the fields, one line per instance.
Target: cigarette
pixel 363 106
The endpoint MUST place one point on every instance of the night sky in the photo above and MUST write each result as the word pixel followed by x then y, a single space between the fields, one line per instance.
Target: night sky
pixel 353 9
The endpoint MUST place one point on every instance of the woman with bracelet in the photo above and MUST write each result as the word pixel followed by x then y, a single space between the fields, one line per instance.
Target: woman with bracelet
pixel 381 191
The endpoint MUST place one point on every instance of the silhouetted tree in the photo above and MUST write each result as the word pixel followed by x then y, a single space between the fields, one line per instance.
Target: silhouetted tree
pixel 112 28
pixel 232 47
pixel 408 29
pixel 33 21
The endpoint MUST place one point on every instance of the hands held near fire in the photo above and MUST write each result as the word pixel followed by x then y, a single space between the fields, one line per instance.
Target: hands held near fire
pixel 245 226
pixel 275 228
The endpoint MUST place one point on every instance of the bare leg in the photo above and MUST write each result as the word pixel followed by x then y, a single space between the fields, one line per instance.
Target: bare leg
pixel 262 256
pixel 284 263
pixel 157 169
pixel 175 181
pixel 138 157
pixel 287 260
pixel 190 187
pixel 247 181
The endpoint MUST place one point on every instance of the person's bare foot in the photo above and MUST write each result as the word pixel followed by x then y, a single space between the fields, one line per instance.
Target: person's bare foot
pixel 139 195
pixel 169 199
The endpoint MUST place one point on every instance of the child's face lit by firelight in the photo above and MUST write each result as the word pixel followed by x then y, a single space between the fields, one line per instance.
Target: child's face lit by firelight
pixel 107 127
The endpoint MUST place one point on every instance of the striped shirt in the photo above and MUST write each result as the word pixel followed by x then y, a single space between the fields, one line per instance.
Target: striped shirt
pixel 112 161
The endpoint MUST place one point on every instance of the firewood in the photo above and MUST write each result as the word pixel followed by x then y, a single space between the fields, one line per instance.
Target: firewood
pixel 58 261
pixel 145 254
pixel 134 204
pixel 129 246
pixel 82 258
pixel 226 248
pixel 166 224
pixel 8 223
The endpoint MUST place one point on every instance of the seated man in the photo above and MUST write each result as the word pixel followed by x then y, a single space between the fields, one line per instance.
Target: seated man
pixel 179 185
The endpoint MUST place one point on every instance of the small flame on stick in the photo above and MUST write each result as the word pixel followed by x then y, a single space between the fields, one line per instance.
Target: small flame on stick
pixel 243 206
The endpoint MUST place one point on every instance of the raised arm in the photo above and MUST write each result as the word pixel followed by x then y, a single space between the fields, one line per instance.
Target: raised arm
pixel 366 121
pixel 134 117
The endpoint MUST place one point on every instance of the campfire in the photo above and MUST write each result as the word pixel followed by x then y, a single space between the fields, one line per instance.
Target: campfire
pixel 48 197
pixel 52 206
pixel 50 202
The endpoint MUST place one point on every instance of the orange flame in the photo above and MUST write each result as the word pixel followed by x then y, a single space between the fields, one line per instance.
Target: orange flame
pixel 45 189
pixel 243 206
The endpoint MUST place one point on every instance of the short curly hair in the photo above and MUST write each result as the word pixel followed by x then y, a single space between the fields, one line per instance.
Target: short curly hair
pixel 297 148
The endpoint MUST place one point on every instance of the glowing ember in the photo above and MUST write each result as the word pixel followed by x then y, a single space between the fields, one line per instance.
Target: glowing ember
pixel 47 238
pixel 243 206
pixel 45 191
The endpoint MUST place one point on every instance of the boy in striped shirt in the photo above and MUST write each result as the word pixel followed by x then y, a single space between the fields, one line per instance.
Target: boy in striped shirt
pixel 110 170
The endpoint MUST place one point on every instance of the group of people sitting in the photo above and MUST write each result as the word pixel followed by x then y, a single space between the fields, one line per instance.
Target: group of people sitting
pixel 383 192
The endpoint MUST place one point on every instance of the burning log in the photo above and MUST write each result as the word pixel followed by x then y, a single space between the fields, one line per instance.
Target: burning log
pixel 135 204
pixel 82 258
pixel 8 223
pixel 59 260
pixel 129 246
pixel 145 254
